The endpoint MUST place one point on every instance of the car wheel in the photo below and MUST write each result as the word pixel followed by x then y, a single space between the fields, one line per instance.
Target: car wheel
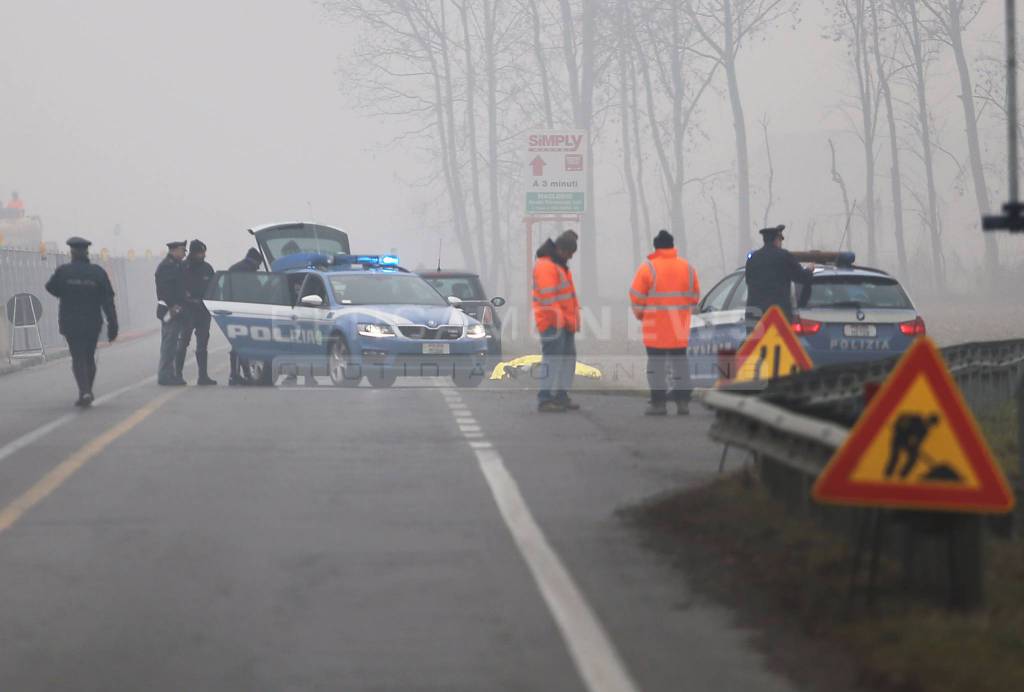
pixel 257 372
pixel 341 371
pixel 468 380
pixel 381 380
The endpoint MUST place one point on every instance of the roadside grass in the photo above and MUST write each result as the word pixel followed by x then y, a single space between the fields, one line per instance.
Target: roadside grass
pixel 790 579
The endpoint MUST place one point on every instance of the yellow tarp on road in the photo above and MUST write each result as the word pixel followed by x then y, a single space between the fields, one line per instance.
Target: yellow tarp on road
pixel 511 369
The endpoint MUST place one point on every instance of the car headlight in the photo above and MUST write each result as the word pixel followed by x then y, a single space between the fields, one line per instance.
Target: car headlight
pixel 476 331
pixel 375 330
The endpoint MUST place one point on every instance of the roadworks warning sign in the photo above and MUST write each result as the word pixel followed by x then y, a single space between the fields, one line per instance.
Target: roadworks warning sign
pixel 771 350
pixel 916 446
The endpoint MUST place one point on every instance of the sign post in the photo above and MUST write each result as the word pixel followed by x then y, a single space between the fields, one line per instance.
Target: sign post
pixel 554 170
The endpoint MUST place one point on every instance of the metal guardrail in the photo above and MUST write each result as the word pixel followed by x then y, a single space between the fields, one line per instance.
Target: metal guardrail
pixel 795 424
pixel 986 372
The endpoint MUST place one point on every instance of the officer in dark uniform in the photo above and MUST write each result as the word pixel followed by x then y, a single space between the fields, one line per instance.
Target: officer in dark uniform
pixel 198 274
pixel 250 263
pixel 84 292
pixel 170 309
pixel 771 271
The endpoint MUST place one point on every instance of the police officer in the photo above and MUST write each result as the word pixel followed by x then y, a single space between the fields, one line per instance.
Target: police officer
pixel 84 292
pixel 170 309
pixel 770 274
pixel 198 274
pixel 250 263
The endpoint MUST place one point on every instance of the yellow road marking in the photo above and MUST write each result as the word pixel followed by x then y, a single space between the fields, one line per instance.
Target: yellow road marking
pixel 10 514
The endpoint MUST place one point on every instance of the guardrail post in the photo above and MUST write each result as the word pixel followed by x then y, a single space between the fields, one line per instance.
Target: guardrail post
pixel 966 562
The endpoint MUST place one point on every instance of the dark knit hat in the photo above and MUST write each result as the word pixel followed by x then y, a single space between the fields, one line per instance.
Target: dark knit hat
pixel 197 246
pixel 664 240
pixel 567 241
pixel 254 255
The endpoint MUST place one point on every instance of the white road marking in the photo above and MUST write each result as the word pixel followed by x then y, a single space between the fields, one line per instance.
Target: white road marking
pixel 593 653
pixel 33 436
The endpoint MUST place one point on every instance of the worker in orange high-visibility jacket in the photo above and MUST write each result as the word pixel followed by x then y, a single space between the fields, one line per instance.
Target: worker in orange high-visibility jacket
pixel 664 290
pixel 556 311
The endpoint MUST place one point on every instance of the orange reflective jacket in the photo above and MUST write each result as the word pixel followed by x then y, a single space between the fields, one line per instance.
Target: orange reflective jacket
pixel 554 297
pixel 664 288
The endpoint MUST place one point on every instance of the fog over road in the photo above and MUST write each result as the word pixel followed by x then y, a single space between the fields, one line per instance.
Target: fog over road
pixel 416 538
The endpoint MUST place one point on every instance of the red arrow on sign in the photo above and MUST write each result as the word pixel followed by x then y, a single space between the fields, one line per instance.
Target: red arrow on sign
pixel 538 165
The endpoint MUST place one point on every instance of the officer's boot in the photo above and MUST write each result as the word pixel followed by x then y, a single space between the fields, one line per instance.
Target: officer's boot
pixel 202 361
pixel 179 365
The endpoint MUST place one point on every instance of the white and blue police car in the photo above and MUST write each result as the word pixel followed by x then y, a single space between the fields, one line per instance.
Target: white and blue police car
pixel 847 314
pixel 348 317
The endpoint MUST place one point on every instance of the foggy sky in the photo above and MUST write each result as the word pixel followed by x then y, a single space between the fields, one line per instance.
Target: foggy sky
pixel 200 119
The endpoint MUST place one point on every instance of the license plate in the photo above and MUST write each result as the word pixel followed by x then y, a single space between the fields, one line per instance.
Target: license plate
pixel 436 349
pixel 861 330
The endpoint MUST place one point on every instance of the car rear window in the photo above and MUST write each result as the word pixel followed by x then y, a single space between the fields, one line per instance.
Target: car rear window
pixel 856 292
pixel 462 287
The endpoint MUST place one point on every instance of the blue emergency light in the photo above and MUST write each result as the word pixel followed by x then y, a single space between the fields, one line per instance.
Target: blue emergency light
pixel 368 260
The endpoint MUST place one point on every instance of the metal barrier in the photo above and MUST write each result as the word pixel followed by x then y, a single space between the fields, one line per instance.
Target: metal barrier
pixel 23 271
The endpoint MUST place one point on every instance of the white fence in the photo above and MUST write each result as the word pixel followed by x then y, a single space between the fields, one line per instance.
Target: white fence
pixel 23 271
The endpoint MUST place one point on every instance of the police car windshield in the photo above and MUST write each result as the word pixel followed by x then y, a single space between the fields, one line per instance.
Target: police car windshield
pixel 384 289
pixel 856 292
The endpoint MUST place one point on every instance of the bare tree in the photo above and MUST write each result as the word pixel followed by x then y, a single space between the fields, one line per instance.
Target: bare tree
pixel 852 25
pixel 951 18
pixel 725 26
pixel 885 67
pixel 919 56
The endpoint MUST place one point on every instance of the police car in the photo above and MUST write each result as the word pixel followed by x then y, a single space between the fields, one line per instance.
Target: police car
pixel 346 316
pixel 848 314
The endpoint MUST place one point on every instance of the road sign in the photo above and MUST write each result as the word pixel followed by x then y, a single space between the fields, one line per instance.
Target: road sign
pixel 24 310
pixel 771 350
pixel 916 446
pixel 555 171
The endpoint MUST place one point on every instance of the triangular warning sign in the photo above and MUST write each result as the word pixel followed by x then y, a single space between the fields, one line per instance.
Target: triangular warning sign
pixel 771 350
pixel 916 446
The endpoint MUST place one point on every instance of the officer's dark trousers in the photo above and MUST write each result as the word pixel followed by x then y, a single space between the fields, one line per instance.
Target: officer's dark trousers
pixel 668 374
pixel 83 359
pixel 195 320
pixel 170 337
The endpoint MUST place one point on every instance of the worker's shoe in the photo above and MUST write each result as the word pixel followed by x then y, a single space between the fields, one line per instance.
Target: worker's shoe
pixel 567 403
pixel 87 400
pixel 682 408
pixel 550 406
pixel 656 408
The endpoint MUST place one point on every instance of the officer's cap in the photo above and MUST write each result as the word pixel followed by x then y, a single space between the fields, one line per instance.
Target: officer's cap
pixel 772 232
pixel 76 242
pixel 197 246
pixel 176 243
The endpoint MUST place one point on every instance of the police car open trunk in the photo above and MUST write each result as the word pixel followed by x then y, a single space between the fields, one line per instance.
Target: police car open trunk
pixel 283 239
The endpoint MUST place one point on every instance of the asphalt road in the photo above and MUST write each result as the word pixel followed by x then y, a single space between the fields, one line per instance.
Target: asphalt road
pixel 295 538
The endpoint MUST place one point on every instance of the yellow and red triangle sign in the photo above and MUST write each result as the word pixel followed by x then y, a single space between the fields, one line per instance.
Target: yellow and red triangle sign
pixel 916 446
pixel 771 350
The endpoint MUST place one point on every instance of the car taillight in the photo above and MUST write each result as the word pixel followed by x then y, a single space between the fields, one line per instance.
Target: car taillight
pixel 914 327
pixel 802 326
pixel 487 316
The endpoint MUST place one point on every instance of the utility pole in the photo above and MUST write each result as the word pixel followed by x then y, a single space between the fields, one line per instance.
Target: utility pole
pixel 1012 219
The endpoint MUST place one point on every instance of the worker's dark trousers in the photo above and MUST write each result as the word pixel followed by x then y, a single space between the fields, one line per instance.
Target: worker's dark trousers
pixel 197 320
pixel 83 359
pixel 668 374
pixel 170 336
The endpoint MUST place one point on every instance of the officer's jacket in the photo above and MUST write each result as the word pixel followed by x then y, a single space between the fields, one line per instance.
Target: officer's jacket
pixel 197 276
pixel 554 294
pixel 769 275
pixel 84 292
pixel 170 282
pixel 663 291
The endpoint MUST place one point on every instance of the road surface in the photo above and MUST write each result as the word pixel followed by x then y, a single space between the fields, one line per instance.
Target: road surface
pixel 294 538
